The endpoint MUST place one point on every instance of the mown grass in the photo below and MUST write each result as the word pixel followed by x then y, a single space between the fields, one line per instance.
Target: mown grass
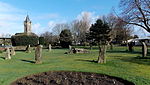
pixel 120 63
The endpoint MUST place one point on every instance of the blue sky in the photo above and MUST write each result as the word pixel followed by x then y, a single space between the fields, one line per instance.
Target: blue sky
pixel 46 13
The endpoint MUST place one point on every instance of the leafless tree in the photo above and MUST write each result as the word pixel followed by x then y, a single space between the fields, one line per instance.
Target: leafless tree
pixel 80 27
pixel 111 19
pixel 49 38
pixel 136 12
pixel 121 31
pixel 59 27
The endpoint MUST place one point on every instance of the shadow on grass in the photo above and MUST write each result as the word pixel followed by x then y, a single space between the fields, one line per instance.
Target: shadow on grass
pixel 2 58
pixel 92 61
pixel 116 51
pixel 28 61
pixel 138 60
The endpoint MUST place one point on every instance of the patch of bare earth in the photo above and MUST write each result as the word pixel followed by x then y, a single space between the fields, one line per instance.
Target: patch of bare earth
pixel 70 78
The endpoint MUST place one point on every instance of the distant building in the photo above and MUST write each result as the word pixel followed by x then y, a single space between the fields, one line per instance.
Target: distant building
pixel 27 25
pixel 137 41
pixel 27 37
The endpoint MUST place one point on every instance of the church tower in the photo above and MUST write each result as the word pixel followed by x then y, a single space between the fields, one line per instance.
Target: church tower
pixel 27 25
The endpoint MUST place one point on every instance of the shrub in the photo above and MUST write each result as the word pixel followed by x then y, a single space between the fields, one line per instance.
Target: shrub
pixel 41 40
pixel 23 40
pixel 65 38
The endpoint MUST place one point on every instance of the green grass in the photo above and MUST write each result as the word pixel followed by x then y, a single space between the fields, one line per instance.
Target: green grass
pixel 119 63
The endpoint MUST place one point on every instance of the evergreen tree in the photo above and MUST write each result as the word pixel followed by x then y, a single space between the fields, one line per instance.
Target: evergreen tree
pixel 65 38
pixel 100 33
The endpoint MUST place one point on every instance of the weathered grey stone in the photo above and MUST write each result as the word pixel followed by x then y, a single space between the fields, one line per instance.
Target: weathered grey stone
pixel 28 49
pixel 38 54
pixel 7 55
pixel 79 50
pixel 70 49
pixel 13 51
pixel 49 47
pixel 144 49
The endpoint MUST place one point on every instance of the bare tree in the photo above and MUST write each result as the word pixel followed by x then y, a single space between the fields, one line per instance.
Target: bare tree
pixel 121 31
pixel 136 12
pixel 111 19
pixel 80 27
pixel 59 27
pixel 47 37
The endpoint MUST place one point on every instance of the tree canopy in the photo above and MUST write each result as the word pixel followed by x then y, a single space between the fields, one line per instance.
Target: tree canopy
pixel 100 33
pixel 65 38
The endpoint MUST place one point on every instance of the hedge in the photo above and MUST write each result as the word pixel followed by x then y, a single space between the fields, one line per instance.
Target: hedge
pixel 41 40
pixel 24 40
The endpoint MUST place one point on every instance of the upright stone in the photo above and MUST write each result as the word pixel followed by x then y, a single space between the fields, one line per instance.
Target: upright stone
pixel 130 45
pixel 49 47
pixel 38 54
pixel 28 49
pixel 13 51
pixel 7 55
pixel 70 48
pixel 144 49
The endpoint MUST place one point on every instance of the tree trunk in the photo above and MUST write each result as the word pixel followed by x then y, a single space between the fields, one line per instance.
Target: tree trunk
pixel 144 49
pixel 102 51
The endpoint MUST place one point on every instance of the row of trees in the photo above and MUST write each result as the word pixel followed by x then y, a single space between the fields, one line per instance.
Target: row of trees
pixel 109 28
pixel 101 33
pixel 79 29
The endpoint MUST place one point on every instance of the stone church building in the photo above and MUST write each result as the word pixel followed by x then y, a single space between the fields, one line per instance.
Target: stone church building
pixel 27 25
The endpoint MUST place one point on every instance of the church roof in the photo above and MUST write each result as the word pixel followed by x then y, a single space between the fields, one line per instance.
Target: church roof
pixel 27 19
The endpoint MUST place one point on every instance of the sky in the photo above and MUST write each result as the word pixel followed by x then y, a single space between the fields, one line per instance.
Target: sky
pixel 45 14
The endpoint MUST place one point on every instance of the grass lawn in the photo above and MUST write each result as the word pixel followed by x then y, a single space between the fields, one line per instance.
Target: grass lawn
pixel 119 63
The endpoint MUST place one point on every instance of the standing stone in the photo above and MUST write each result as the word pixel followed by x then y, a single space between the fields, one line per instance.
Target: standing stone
pixel 49 47
pixel 144 49
pixel 130 45
pixel 28 49
pixel 7 56
pixel 70 48
pixel 13 51
pixel 38 54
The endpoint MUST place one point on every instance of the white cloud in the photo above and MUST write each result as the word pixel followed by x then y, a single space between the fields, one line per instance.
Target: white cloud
pixel 90 15
pixel 10 17
pixel 36 28
pixel 51 24
pixel 11 20
pixel 5 7
pixel 142 33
